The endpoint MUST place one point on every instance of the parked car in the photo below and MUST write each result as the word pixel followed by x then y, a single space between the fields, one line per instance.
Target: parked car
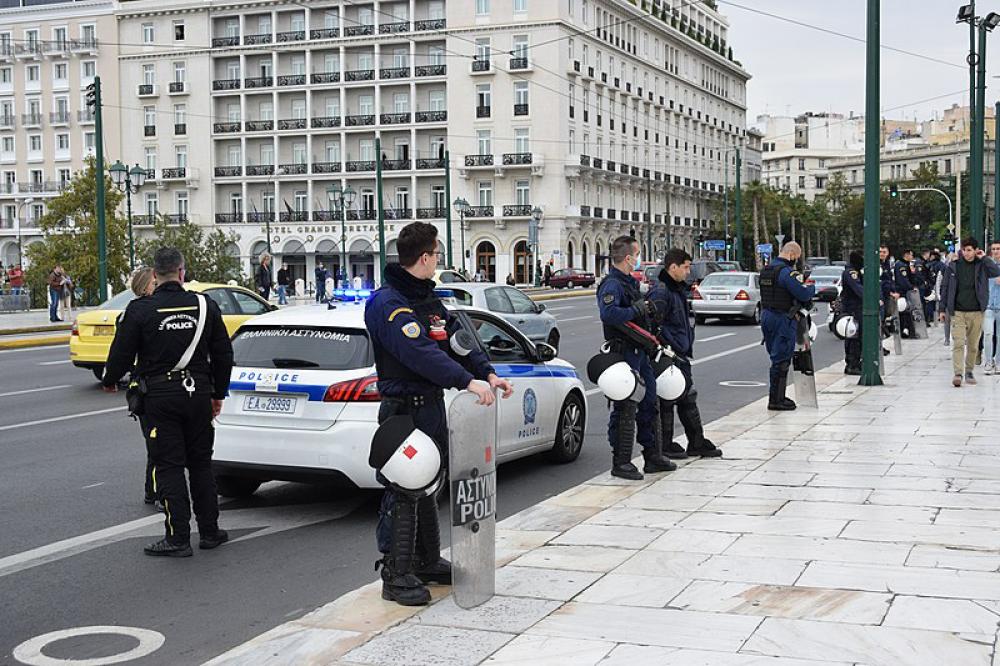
pixel 816 262
pixel 727 294
pixel 93 331
pixel 826 279
pixel 571 277
pixel 647 274
pixel 512 304
pixel 303 402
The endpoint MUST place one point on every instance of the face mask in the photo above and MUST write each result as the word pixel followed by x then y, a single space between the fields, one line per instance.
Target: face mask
pixel 638 262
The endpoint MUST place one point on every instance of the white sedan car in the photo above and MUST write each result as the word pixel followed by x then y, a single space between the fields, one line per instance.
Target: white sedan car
pixel 303 402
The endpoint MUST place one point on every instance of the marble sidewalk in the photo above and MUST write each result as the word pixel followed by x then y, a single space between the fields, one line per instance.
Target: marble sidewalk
pixel 864 532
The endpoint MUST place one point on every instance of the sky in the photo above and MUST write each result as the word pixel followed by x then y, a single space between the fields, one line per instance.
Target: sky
pixel 797 69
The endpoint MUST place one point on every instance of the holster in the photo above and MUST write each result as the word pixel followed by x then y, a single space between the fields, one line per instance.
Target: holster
pixel 135 397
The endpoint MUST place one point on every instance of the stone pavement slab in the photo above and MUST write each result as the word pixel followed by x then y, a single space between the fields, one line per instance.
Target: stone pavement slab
pixel 863 532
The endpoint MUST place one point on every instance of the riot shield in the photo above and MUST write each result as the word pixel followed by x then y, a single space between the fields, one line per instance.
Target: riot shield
pixel 917 312
pixel 472 473
pixel 892 314
pixel 803 372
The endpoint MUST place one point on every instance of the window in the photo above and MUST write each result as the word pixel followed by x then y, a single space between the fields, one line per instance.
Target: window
pixel 149 74
pixel 89 141
pixel 485 138
pixel 520 6
pixel 267 153
pixel 521 144
pixel 520 47
pixel 484 95
pixel 298 65
pixel 60 71
pixel 6 75
pixel 180 114
pixel 802 165
pixel 333 106
pixel 32 73
pixel 330 63
pixel 500 345
pixel 486 193
pixel 88 33
pixel 298 109
pixel 331 18
pixel 299 152
pixel 178 31
pixel 249 305
pixel 435 55
pixel 522 189
pixel 152 204
pixel 180 72
pixel 62 142
pixel 365 61
pixel 521 303
pixel 483 49
pixel 148 34
pixel 182 204
pixel 366 105
pixel 400 58
pixel 298 22
pixel 301 201
pixel 150 156
pixel 236 204
pixel 482 7
pixel 265 111
pixel 332 151
pixel 88 69
pixel 521 92
pixel 437 100
pixel 64 174
pixel 35 143
pixel 497 301
pixel 180 156
pixel 8 144
pixel 401 102
pixel 802 181
pixel 367 150
pixel 149 116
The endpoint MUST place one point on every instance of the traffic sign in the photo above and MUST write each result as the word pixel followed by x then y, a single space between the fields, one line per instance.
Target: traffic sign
pixel 765 248
pixel 714 245
pixel 781 239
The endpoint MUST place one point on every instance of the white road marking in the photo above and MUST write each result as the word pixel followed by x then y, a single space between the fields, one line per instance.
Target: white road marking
pixel 716 337
pixel 563 321
pixel 15 426
pixel 55 362
pixel 735 350
pixel 30 651
pixel 740 383
pixel 35 390
pixel 34 349
pixel 93 485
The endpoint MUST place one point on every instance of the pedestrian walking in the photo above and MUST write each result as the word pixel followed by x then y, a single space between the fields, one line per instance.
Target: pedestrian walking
pixel 55 281
pixel 183 359
pixel 413 370
pixel 620 302
pixel 66 297
pixel 991 317
pixel 284 281
pixel 262 278
pixel 965 294
pixel 669 297
pixel 547 275
pixel 16 278
pixel 782 295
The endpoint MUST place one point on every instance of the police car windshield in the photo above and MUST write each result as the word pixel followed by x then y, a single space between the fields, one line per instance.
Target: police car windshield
pixel 311 347
pixel 118 302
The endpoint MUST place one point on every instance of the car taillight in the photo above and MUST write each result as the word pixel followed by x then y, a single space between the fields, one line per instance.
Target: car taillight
pixel 354 390
pixel 695 294
pixel 742 296
pixel 76 328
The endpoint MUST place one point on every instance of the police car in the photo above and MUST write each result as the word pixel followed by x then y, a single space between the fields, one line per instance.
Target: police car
pixel 303 402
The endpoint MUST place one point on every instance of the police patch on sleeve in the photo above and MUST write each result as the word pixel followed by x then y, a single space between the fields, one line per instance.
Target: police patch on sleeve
pixel 798 276
pixel 609 299
pixel 854 274
pixel 411 330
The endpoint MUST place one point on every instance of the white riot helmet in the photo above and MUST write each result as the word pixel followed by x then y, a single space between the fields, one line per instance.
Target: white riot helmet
pixel 845 327
pixel 813 331
pixel 405 456
pixel 616 378
pixel 462 342
pixel 902 305
pixel 671 383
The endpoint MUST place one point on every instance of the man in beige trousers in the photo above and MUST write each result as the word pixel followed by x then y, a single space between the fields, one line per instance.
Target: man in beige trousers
pixel 964 295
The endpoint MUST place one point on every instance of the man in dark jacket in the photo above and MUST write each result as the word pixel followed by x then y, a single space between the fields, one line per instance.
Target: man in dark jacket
pixel 965 292
pixel 852 299
pixel 669 297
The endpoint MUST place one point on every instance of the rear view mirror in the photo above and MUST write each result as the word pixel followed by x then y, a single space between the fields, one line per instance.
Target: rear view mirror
pixel 545 352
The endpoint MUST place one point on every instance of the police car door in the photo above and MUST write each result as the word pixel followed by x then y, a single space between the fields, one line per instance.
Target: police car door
pixel 528 417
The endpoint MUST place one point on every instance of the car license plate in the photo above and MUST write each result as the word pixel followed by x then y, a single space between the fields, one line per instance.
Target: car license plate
pixel 718 297
pixel 104 330
pixel 272 404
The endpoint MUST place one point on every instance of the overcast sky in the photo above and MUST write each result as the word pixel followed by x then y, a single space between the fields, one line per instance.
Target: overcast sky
pixel 797 69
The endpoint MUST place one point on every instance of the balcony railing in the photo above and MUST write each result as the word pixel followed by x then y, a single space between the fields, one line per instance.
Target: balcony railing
pixel 143 220
pixel 363 214
pixel 598 163
pixel 326 167
pixel 480 65
pixel 59 118
pixel 645 173
pixel 360 75
pixel 325 216
pixel 173 173
pixel 359 165
pixel 259 82
pixel 398 213
pixel 296 169
pixel 635 171
pixel 256 217
pixel 513 159
pixel 324 33
pixel 292 80
pixel 228 218
pixel 86 44
pixel 325 77
pixel 146 90
pixel 149 130
pixel 430 116
pixel 430 24
pixel 585 160
pixel 520 109
pixel 519 62
pixel 226 84
pixel 584 211
pixel 177 87
pixel 228 171
pixel 478 160
pixel 483 111
pixel 180 129
pixel 259 125
pixel 359 30
pixel 176 218
pixel 226 128
pixel 394 28
pixel 623 168
pixel 294 216
pixel 431 213
pixel 624 215
pixel 233 40
pixel 435 163
pixel 612 214
pixel 611 166
pixel 7 122
pixel 292 124
pixel 479 211
pixel 260 38
pixel 31 119
pixel 326 121
pixel 598 212
pixel 86 116
pixel 394 118
pixel 359 120
pixel 260 170
pixel 394 72
pixel 395 165
pixel 519 210
pixel 40 186
pixel 430 70
pixel 291 36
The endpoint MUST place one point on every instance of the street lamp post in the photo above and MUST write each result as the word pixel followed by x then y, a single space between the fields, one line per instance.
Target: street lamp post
pixel 342 199
pixel 536 219
pixel 129 182
pixel 17 221
pixel 462 207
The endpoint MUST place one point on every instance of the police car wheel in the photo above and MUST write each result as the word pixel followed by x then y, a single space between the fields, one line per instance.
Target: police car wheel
pixel 236 486
pixel 569 432
pixel 98 372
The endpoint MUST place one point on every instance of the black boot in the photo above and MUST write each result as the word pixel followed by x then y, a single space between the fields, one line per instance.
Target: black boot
pixel 399 583
pixel 777 402
pixel 168 548
pixel 655 462
pixel 621 452
pixel 690 417
pixel 430 567
pixel 665 431
pixel 211 540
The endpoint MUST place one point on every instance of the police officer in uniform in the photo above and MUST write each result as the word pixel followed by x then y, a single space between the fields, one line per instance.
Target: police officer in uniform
pixel 903 282
pixel 410 331
pixel 852 299
pixel 184 361
pixel 782 295
pixel 620 302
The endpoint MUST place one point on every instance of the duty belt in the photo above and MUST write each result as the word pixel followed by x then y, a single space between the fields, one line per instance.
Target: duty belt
pixel 415 401
pixel 183 378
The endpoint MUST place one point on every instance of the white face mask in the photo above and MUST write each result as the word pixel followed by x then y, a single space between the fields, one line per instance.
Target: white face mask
pixel 638 261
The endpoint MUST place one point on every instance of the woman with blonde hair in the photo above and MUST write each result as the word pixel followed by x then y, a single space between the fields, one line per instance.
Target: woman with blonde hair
pixel 143 283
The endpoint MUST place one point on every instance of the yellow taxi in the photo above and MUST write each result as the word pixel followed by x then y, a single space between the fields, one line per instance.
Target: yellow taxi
pixel 93 331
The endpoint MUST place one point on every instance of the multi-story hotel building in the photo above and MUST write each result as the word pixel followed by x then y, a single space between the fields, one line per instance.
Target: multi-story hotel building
pixel 49 54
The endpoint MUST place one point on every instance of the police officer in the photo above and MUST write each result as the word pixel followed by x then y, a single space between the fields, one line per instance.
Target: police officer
pixel 852 299
pixel 620 302
pixel 887 285
pixel 410 331
pixel 902 276
pixel 184 361
pixel 782 295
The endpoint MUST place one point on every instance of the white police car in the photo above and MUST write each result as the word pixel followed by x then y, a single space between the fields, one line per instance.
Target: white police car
pixel 303 401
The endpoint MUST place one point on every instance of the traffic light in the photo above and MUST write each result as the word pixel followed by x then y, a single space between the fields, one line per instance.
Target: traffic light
pixel 894 191
pixel 92 96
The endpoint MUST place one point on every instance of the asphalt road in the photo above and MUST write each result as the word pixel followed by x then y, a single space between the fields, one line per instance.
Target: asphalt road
pixel 73 523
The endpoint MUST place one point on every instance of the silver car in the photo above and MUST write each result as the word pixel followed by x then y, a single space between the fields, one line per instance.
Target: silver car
pixel 826 279
pixel 727 294
pixel 512 305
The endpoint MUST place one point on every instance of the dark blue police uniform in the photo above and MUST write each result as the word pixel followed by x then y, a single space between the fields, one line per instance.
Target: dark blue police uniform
pixel 852 300
pixel 902 284
pixel 782 295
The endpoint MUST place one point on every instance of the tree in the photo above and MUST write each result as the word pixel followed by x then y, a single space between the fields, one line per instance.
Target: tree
pixel 206 258
pixel 69 230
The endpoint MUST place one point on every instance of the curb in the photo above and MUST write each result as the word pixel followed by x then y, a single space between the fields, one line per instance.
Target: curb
pixel 568 294
pixel 40 341
pixel 36 329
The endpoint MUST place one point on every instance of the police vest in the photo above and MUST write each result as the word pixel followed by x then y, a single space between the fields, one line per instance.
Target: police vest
pixel 387 366
pixel 632 295
pixel 773 296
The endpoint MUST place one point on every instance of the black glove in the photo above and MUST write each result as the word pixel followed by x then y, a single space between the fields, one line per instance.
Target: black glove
pixel 645 310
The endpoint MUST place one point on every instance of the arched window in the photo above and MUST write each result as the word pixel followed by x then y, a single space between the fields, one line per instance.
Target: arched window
pixel 569 255
pixel 521 263
pixel 584 259
pixel 486 260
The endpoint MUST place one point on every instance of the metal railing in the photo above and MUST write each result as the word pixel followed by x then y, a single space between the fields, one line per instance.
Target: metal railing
pixel 478 160
pixel 228 171
pixel 430 24
pixel 260 170
pixel 292 124
pixel 359 120
pixel 517 210
pixel 293 169
pixel 292 80
pixel 394 118
pixel 326 167
pixel 173 173
pixel 258 82
pixel 430 70
pixel 325 121
pixel 394 72
pixel 291 36
pixel 430 116
pixel 260 38
pixel 324 33
pixel 359 75
pixel 325 77
pixel 516 159
pixel 359 165
pixel 227 127
pixel 259 125
pixel 226 84
pixel 435 163
pixel 359 30
pixel 233 40
pixel 479 211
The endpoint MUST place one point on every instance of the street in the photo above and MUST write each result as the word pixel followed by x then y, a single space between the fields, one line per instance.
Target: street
pixel 74 522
